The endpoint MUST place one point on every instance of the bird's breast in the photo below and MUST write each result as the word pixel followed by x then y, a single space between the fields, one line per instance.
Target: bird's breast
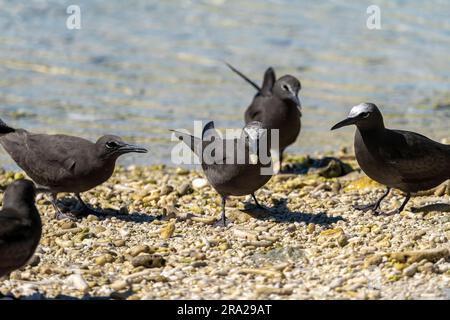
pixel 371 162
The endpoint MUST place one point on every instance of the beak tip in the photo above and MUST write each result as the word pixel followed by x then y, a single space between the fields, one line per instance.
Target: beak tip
pixel 343 123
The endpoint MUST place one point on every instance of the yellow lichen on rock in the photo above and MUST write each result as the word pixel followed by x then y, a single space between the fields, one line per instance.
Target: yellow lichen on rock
pixel 362 183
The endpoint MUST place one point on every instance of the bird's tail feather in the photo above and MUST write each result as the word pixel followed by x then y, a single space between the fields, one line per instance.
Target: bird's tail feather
pixel 243 76
pixel 192 142
pixel 4 128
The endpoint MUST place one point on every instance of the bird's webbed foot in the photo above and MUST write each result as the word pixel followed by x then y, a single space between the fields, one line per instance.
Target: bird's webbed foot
pixel 65 215
pixel 221 223
pixel 59 215
pixel 86 211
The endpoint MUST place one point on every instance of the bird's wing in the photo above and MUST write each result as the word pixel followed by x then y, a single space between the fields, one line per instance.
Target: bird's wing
pixel 415 157
pixel 213 146
pixel 35 153
pixel 210 149
pixel 268 82
pixel 256 111
pixel 192 142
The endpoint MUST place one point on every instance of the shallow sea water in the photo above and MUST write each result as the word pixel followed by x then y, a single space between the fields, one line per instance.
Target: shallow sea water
pixel 139 68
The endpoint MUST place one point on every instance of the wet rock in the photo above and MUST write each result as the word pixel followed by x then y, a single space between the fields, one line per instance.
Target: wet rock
pixel 311 228
pixel 67 224
pixel 136 250
pixel 165 190
pixel 431 255
pixel 411 270
pixel 148 261
pixel 362 183
pixel 184 189
pixel 337 235
pixel 272 290
pixel 119 243
pixel 342 240
pixel 119 285
pixel 168 230
pixel 199 264
pixel 332 170
pixel 373 260
pixel 77 282
pixel 104 259
pixel 182 171
pixel 279 255
pixel 64 243
pixel 199 183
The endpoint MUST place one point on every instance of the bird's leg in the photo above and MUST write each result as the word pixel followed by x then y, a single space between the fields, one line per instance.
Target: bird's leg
pixel 372 206
pixel 256 202
pixel 223 218
pixel 59 215
pixel 399 209
pixel 85 210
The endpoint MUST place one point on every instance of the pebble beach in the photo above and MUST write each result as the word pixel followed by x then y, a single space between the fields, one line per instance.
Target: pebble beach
pixel 159 239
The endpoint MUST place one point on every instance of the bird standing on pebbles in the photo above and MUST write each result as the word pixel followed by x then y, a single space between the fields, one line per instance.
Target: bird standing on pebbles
pixel 277 106
pixel 224 172
pixel 62 163
pixel 398 159
pixel 20 226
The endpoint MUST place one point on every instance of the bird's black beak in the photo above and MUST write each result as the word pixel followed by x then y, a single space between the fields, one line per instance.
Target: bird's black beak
pixel 296 100
pixel 128 148
pixel 299 103
pixel 343 123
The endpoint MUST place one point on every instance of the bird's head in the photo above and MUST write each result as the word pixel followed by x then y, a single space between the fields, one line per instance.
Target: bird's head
pixel 18 192
pixel 365 116
pixel 254 135
pixel 111 147
pixel 287 88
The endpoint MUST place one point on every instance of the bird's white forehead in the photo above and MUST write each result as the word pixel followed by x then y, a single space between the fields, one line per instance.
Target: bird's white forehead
pixel 360 108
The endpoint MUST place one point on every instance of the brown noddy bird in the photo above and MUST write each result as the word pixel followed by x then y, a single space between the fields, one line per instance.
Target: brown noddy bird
pixel 62 163
pixel 227 175
pixel 398 159
pixel 20 226
pixel 277 106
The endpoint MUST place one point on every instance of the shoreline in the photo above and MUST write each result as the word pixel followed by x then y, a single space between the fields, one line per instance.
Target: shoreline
pixel 159 240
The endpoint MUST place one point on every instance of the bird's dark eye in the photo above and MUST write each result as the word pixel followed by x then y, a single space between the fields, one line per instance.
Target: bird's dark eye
pixel 112 145
pixel 285 87
pixel 364 115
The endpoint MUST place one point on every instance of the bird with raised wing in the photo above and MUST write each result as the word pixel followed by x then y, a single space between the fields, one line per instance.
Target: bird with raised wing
pixel 233 167
pixel 277 106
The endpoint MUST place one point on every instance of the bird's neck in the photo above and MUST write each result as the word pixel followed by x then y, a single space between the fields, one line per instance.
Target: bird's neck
pixel 372 129
pixel 106 166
